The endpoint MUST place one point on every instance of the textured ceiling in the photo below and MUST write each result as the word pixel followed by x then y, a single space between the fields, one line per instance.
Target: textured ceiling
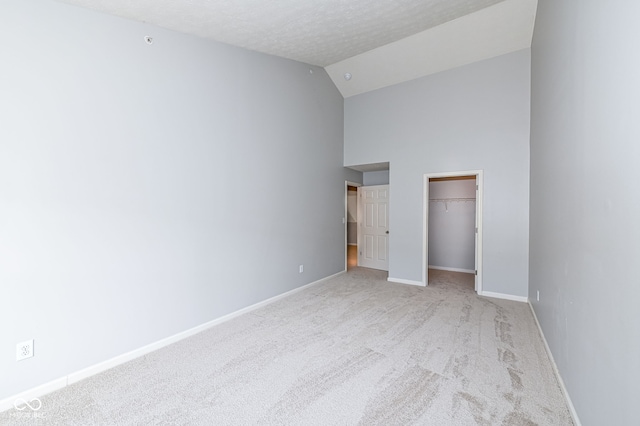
pixel 378 42
pixel 318 32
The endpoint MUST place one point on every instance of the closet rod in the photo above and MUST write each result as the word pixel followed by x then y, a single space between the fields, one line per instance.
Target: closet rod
pixel 452 199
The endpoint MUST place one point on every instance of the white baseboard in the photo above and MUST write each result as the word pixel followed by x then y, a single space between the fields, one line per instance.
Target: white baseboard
pixel 572 409
pixel 403 281
pixel 504 296
pixel 445 268
pixel 74 377
pixel 32 393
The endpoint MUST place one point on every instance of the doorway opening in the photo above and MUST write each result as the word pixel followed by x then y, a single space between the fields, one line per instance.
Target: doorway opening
pixel 372 174
pixel 452 237
pixel 351 224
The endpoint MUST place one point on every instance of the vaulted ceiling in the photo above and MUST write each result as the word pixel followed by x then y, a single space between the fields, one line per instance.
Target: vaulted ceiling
pixel 378 42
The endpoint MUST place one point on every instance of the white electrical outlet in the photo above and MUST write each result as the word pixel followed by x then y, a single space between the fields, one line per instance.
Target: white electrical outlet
pixel 301 269
pixel 24 350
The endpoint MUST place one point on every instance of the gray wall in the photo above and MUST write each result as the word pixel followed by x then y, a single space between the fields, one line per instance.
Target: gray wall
pixel 376 178
pixel 147 189
pixel 473 117
pixel 584 201
pixel 353 176
pixel 452 224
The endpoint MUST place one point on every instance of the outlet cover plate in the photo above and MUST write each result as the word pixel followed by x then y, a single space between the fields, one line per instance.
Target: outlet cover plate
pixel 24 350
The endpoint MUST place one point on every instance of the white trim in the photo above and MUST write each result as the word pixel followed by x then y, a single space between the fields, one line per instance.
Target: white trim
pixel 74 377
pixel 353 244
pixel 504 296
pixel 445 268
pixel 479 174
pixel 403 281
pixel 425 230
pixel 572 409
pixel 32 393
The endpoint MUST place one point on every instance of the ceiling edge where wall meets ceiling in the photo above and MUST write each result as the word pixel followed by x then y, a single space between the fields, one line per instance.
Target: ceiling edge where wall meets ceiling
pixel 496 30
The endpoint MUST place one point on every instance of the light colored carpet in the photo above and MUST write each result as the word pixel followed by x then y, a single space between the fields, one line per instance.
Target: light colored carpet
pixel 355 350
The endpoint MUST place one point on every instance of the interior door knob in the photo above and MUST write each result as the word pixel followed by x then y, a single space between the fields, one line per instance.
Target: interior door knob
pixel 387 232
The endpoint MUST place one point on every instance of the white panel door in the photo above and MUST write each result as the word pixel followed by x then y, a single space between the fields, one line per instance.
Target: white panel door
pixel 373 229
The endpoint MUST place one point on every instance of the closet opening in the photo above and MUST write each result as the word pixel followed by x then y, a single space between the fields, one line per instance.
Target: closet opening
pixel 452 224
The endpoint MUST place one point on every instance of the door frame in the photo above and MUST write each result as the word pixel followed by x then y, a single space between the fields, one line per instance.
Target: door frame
pixel 347 184
pixel 479 174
